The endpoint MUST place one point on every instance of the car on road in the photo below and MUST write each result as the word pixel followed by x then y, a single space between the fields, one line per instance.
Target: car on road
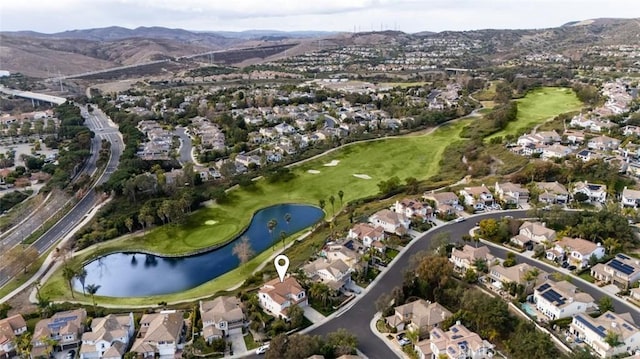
pixel 459 219
pixel 262 349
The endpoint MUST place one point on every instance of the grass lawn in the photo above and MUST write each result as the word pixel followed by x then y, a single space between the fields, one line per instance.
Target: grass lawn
pixel 587 276
pixel 404 84
pixel 21 278
pixel 249 342
pixel 539 106
pixel 408 156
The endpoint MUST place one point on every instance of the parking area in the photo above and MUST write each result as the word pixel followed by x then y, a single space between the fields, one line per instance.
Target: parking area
pixel 66 354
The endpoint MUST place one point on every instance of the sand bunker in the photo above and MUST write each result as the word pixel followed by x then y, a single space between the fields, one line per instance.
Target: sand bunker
pixel 332 163
pixel 362 176
pixel 313 172
pixel 210 222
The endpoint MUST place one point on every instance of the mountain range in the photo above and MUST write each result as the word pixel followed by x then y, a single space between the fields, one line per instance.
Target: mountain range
pixel 76 51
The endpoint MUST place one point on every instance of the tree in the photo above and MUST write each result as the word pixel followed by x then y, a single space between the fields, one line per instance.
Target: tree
pixel 342 342
pixel 481 265
pixel 340 196
pixel 320 292
pixel 413 185
pixel 271 225
pixel 322 203
pixel 82 275
pixel 283 236
pixel 433 274
pixel 92 289
pixel 128 222
pixel 470 276
pixel 613 339
pixel 612 245
pixel 605 304
pixel 332 200
pixel 49 344
pixel 296 316
pixel 243 250
pixel 510 261
pixel 23 346
pixel 69 273
pixel 287 220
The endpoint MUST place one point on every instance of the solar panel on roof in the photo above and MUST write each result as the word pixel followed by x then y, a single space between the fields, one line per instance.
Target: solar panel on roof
pixel 452 351
pixel 609 316
pixel 454 329
pixel 619 266
pixel 598 330
pixel 544 286
pixel 622 256
pixel 627 326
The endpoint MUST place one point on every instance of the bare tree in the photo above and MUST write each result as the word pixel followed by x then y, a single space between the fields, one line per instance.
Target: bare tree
pixel 243 250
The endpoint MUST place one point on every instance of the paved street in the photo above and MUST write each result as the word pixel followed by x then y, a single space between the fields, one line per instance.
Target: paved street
pixel 185 145
pixel 99 123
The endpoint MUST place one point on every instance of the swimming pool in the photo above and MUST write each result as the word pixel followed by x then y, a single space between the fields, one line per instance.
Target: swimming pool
pixel 529 309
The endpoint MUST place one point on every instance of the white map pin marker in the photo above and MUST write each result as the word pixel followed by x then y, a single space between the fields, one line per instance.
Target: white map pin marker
pixel 282 264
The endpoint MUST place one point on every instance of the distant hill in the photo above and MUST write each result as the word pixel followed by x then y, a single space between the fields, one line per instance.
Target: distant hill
pixel 76 51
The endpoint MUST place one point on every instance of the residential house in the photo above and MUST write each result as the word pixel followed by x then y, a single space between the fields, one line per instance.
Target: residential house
pixel 161 334
pixel 586 155
pixel 419 315
pixel 552 193
pixel 64 327
pixel 523 274
pixel 631 130
pixel 109 337
pixel 574 137
pixel 221 316
pixel 413 208
pixel 446 202
pixel 391 221
pixel 634 293
pixel 465 258
pixel 562 299
pixel 595 192
pixel 630 198
pixel 575 251
pixel 10 329
pixel 459 342
pixel 603 143
pixel 594 332
pixel 336 274
pixel 622 270
pixel 369 235
pixel 479 197
pixel 534 232
pixel 512 193
pixel 344 252
pixel 276 297
pixel 555 151
pixel 542 137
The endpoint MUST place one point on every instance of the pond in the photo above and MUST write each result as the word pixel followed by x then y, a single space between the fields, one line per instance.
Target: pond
pixel 138 274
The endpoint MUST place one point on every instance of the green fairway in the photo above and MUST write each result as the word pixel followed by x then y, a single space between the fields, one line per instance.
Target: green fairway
pixel 539 106
pixel 409 156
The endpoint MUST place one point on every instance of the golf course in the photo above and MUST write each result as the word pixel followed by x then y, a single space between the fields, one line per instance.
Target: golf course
pixel 355 169
pixel 539 106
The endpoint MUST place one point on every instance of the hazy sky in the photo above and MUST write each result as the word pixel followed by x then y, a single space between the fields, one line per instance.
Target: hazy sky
pixel 333 15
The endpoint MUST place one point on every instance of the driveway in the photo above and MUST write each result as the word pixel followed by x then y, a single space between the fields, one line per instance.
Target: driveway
pixel 313 315
pixel 237 343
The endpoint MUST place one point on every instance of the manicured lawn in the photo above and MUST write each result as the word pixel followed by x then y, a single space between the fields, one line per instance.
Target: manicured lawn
pixel 409 156
pixel 249 342
pixel 587 276
pixel 539 106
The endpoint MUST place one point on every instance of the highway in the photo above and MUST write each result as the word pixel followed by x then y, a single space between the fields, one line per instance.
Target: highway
pixel 99 124
pixel 357 318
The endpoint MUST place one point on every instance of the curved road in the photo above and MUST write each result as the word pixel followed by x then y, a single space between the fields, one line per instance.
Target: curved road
pixel 100 125
pixel 357 318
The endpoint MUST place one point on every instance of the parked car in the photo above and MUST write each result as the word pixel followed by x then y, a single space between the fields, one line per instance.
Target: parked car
pixel 565 264
pixel 572 267
pixel 71 354
pixel 403 340
pixel 262 349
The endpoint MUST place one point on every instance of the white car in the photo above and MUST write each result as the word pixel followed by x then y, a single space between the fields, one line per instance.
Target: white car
pixel 459 219
pixel 263 349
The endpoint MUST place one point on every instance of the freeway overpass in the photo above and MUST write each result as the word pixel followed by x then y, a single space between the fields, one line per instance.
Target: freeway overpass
pixel 33 96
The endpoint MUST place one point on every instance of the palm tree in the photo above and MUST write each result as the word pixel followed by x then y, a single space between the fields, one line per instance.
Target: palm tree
pixel 271 225
pixel 320 291
pixel 82 275
pixel 612 245
pixel 92 289
pixel 49 343
pixel 322 203
pixel 128 222
pixel 287 219
pixel 68 273
pixel 283 235
pixel 332 200
pixel 340 195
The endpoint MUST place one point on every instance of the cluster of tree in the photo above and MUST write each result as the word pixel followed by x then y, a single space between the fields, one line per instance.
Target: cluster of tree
pixel 11 199
pixel 588 94
pixel 18 259
pixel 302 346
pixel 78 137
pixel 498 231
pixel 431 277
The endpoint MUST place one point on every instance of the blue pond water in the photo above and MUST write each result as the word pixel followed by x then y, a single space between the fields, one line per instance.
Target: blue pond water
pixel 139 274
